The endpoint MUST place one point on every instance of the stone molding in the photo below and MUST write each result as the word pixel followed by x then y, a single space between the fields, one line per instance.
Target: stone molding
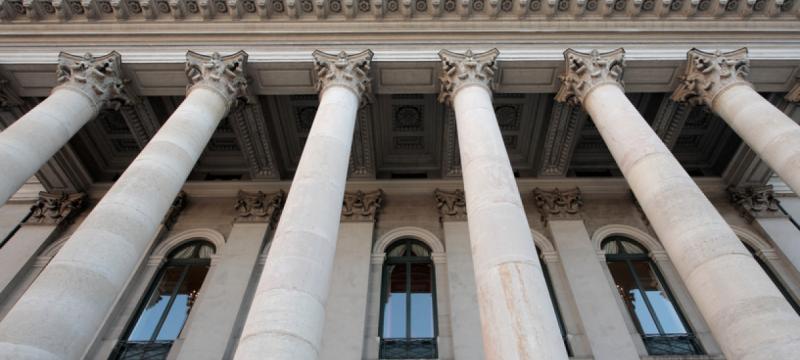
pixel 756 202
pixel 460 70
pixel 792 96
pixel 175 209
pixel 563 134
pixel 709 74
pixel 259 206
pixel 56 208
pixel 99 78
pixel 222 74
pixel 359 206
pixel 584 72
pixel 452 205
pixel 350 71
pixel 558 204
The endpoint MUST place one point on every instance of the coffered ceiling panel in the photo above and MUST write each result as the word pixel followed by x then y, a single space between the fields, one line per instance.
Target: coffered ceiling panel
pixel 408 135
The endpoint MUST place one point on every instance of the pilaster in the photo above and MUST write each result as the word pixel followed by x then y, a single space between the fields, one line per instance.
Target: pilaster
pixel 468 69
pixel 359 206
pixel 452 205
pixel 99 78
pixel 709 74
pixel 349 71
pixel 585 72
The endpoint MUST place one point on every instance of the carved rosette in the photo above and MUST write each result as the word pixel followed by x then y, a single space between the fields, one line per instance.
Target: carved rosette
pixel 223 74
pixel 259 206
pixel 558 204
pixel 99 78
pixel 460 70
pixel 792 96
pixel 755 202
pixel 708 74
pixel 584 72
pixel 452 205
pixel 56 208
pixel 361 206
pixel 175 209
pixel 350 71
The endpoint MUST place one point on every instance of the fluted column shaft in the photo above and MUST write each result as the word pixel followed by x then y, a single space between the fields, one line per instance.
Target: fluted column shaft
pixel 60 313
pixel 287 315
pixel 747 315
pixel 87 84
pixel 720 81
pixel 517 317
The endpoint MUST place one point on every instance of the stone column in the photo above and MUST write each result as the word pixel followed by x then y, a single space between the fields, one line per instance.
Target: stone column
pixel 602 319
pixel 47 214
pixel 719 80
pixel 87 84
pixel 517 316
pixel 758 205
pixel 747 315
pixel 219 303
pixel 346 312
pixel 464 314
pixel 60 313
pixel 287 316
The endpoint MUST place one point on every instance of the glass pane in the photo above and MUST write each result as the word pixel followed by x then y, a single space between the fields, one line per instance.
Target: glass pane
pixel 631 248
pixel 185 252
pixel 185 298
pixel 205 252
pixel 664 308
pixel 397 251
pixel 611 248
pixel 631 296
pixel 156 305
pixel 419 250
pixel 421 301
pixel 394 310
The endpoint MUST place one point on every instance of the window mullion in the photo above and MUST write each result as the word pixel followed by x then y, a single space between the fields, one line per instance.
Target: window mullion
pixel 644 297
pixel 408 300
pixel 169 304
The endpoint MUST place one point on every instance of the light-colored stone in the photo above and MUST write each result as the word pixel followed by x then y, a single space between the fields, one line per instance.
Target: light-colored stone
pixel 747 315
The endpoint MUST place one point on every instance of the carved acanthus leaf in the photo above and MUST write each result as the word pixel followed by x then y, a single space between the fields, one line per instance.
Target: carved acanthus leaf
pixel 460 70
pixel 259 206
pixel 361 206
pixel 350 71
pixel 558 204
pixel 223 74
pixel 56 208
pixel 452 205
pixel 708 74
pixel 175 209
pixel 99 78
pixel 755 201
pixel 584 72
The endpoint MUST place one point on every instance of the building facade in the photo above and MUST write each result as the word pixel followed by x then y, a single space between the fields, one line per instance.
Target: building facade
pixel 397 179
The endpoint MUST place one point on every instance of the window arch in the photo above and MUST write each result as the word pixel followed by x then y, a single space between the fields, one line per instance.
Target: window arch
pixel 772 276
pixel 408 326
pixel 166 305
pixel 645 294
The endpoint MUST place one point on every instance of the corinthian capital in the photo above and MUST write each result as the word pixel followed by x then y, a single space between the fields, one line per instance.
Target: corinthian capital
pixel 350 71
pixel 223 74
pixel 460 70
pixel 56 208
pixel 755 201
pixel 584 72
pixel 99 78
pixel 258 206
pixel 561 204
pixel 361 206
pixel 709 74
pixel 452 205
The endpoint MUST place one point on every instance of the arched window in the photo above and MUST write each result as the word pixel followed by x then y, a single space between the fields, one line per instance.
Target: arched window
pixel 648 300
pixel 164 309
pixel 408 302
pixel 554 301
pixel 774 278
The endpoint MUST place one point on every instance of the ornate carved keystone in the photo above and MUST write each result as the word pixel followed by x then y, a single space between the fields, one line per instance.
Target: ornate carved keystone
pixel 558 204
pixel 452 205
pixel 223 74
pixel 258 206
pixel 584 72
pixel 361 206
pixel 460 70
pixel 56 208
pixel 350 71
pixel 709 74
pixel 755 202
pixel 174 210
pixel 99 78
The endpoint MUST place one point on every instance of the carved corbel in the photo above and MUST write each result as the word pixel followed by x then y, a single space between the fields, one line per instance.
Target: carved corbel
pixel 350 71
pixel 460 70
pixel 235 9
pixel 263 9
pixel 549 8
pixel 378 9
pixel 292 10
pixel 662 8
pixel 606 8
pixel 121 9
pixel 717 8
pixel 33 10
pixel 406 9
pixel 99 78
pixel 690 9
pixel 558 204
pixel 206 9
pixel 63 9
pixel 320 10
pixel 222 74
pixel 464 8
pixel 91 8
pixel 361 206
pixel 756 202
pixel 178 8
pixel 521 8
pixel 774 8
pixel 148 9
pixel 634 8
pixel 56 208
pixel 435 8
pixel 9 9
pixel 452 205
pixel 494 9
pixel 747 8
pixel 578 8
pixel 349 9
pixel 584 72
pixel 709 74
pixel 259 206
